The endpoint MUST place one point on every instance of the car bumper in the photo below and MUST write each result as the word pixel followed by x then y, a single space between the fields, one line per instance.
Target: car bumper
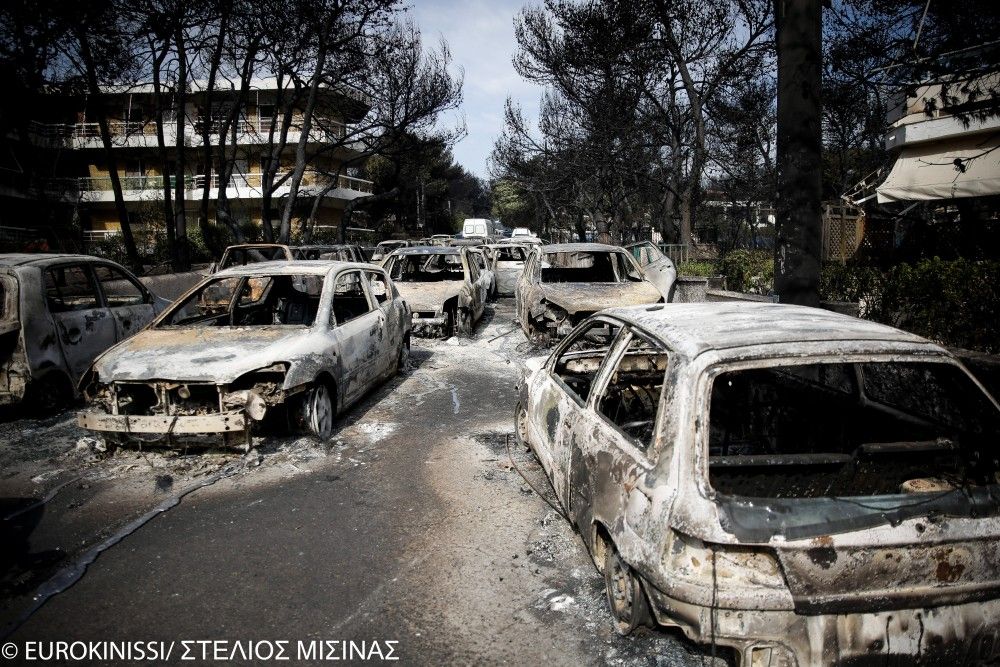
pixel 964 633
pixel 423 324
pixel 224 422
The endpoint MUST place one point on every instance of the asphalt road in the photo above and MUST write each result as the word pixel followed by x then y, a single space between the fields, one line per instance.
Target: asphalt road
pixel 411 527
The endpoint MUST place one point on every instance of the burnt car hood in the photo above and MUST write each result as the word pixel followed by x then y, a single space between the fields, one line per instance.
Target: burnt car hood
pixel 591 297
pixel 429 296
pixel 217 355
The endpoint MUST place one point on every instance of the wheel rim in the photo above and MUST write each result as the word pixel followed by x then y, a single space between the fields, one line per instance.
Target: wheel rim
pixel 621 589
pixel 521 422
pixel 321 412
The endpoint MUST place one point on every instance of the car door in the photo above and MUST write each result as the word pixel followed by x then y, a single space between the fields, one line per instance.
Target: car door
pixel 132 305
pixel 85 326
pixel 656 267
pixel 476 282
pixel 390 333
pixel 611 446
pixel 562 392
pixel 356 326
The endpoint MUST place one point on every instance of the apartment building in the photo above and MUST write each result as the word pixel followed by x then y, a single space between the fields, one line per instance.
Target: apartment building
pixel 58 162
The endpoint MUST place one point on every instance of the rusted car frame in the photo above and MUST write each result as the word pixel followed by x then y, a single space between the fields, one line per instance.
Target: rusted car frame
pixel 564 283
pixel 443 286
pixel 772 544
pixel 59 313
pixel 311 336
pixel 508 263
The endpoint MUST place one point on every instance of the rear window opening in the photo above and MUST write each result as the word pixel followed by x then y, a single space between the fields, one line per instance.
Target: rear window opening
pixel 842 430
pixel 587 267
pixel 426 268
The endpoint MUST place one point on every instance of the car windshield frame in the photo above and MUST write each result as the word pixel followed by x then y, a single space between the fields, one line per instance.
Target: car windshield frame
pixel 162 321
pixel 423 258
pixel 626 260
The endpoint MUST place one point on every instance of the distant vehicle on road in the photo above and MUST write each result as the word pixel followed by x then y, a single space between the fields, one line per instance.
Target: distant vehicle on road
pixel 443 286
pixel 312 337
pixel 386 247
pixel 566 282
pixel 59 312
pixel 790 485
pixel 481 227
pixel 508 264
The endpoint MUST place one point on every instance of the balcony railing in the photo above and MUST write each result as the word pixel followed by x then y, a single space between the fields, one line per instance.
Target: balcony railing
pixel 253 181
pixel 323 129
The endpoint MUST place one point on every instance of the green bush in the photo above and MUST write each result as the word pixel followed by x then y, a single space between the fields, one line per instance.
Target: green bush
pixel 954 302
pixel 700 269
pixel 750 271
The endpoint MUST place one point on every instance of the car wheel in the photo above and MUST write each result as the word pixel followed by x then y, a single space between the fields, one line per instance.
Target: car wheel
pixel 404 355
pixel 463 323
pixel 316 412
pixel 521 425
pixel 625 596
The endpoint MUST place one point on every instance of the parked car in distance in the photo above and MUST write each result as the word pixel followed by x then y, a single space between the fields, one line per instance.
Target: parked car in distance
pixel 59 313
pixel 564 283
pixel 796 486
pixel 310 336
pixel 252 253
pixel 442 285
pixel 479 227
pixel 657 267
pixel 336 251
pixel 385 247
pixel 507 261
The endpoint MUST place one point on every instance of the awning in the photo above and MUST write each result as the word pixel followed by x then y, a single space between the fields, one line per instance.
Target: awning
pixel 959 167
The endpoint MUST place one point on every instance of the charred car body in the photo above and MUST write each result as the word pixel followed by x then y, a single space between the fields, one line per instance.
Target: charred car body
pixel 310 336
pixel 801 487
pixel 443 286
pixel 564 283
pixel 508 264
pixel 59 313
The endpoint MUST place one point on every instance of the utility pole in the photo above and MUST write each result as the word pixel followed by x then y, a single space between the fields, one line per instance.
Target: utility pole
pixel 799 219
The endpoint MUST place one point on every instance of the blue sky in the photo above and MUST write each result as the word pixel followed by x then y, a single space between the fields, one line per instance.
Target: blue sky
pixel 480 34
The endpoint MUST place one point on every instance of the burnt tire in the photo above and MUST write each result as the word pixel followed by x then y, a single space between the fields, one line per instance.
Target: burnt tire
pixel 626 598
pixel 314 412
pixel 521 425
pixel 404 355
pixel 463 322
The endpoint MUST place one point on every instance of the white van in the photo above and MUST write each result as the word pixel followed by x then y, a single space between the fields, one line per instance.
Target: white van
pixel 477 227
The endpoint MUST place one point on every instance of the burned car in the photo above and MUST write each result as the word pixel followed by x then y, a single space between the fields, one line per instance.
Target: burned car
pixel 508 262
pixel 252 253
pixel 337 252
pixel 564 283
pixel 443 286
pixel 383 249
pixel 309 336
pixel 59 313
pixel 794 486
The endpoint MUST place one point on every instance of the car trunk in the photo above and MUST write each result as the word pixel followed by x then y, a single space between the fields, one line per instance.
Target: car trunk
pixel 874 484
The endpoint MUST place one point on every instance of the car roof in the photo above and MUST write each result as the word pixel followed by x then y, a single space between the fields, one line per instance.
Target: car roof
pixel 581 247
pixel 43 259
pixel 316 267
pixel 429 250
pixel 694 328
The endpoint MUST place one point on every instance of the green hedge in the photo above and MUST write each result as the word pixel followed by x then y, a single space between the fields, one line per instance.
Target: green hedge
pixel 955 302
